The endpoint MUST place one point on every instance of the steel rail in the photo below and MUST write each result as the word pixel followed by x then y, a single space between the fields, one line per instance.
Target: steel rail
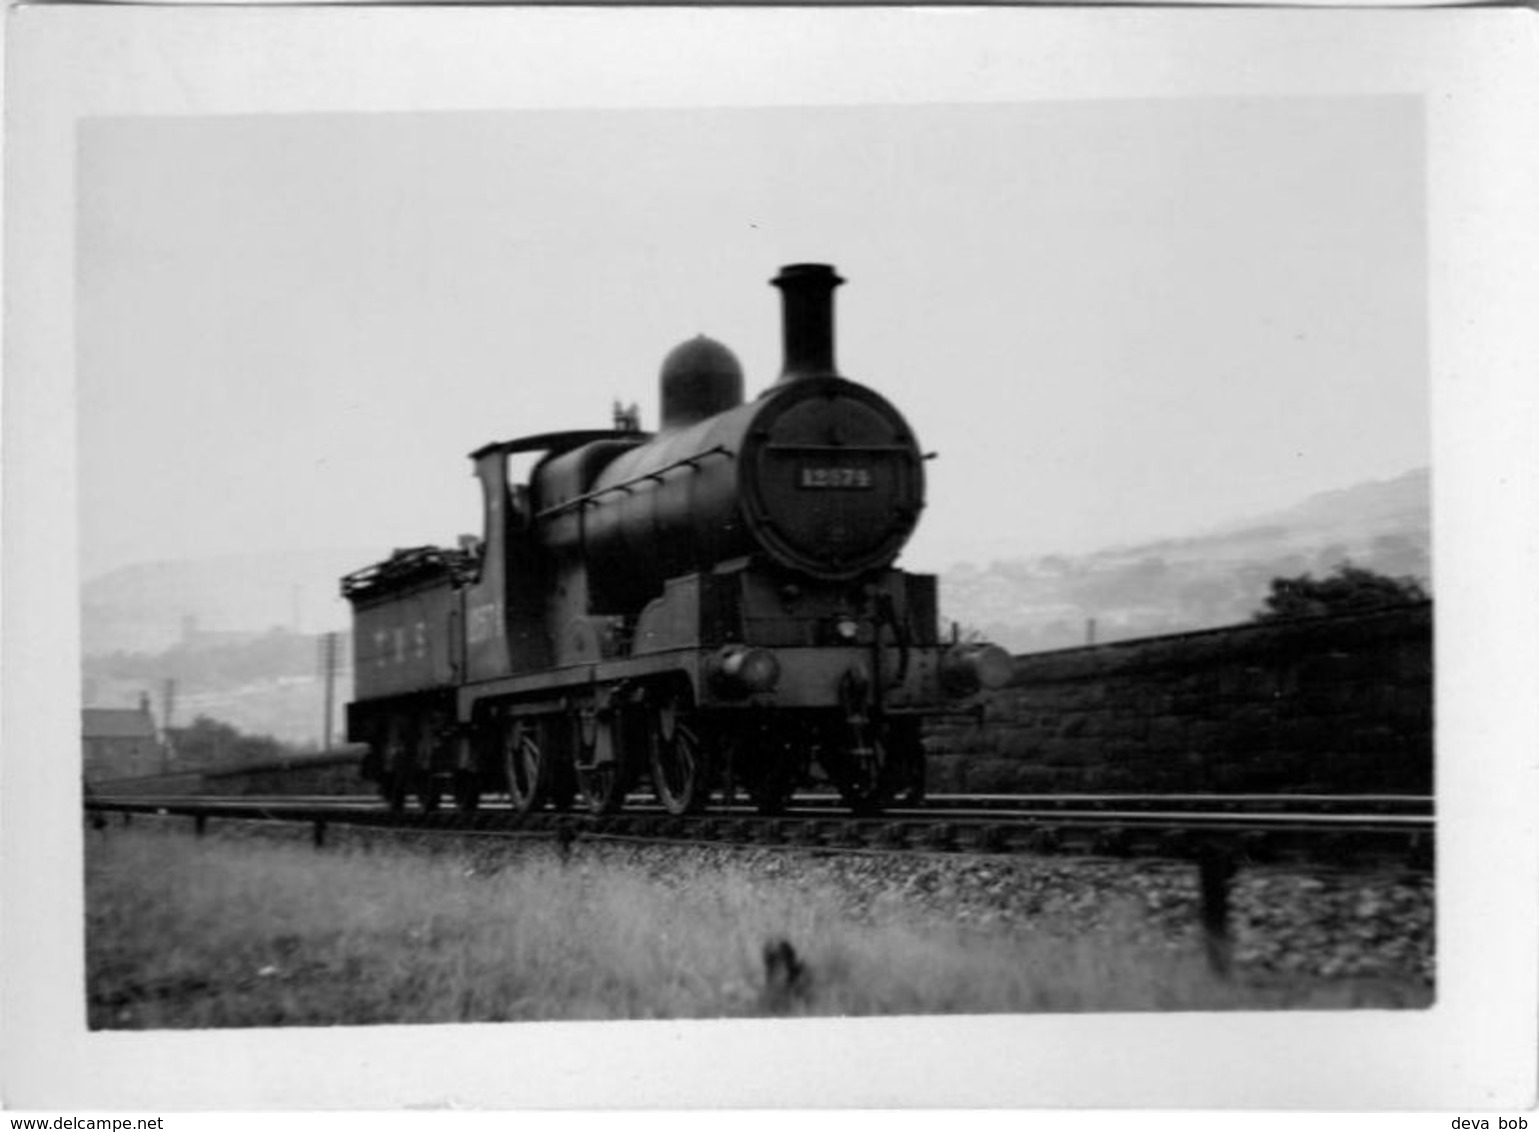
pixel 953 804
pixel 1360 838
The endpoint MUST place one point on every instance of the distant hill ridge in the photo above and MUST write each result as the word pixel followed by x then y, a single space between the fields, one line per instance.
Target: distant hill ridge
pixel 151 605
pixel 1213 578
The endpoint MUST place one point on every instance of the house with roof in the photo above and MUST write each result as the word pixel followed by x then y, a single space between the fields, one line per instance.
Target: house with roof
pixel 120 742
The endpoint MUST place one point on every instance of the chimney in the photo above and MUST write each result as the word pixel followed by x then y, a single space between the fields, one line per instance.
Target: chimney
pixel 807 304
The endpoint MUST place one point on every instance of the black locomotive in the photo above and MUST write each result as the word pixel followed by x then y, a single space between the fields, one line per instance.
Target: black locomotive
pixel 714 603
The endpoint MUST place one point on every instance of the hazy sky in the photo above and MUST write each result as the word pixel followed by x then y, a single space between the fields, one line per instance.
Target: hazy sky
pixel 1113 320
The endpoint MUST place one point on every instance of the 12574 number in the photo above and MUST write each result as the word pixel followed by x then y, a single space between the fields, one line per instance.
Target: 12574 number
pixel 837 479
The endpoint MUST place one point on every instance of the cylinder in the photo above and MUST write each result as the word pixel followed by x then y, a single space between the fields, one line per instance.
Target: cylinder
pixel 807 320
pixel 975 667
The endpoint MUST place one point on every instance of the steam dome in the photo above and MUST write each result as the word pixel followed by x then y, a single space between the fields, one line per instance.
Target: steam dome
pixel 699 379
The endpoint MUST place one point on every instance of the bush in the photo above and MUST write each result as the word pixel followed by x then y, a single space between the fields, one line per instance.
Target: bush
pixel 209 744
pixel 1351 589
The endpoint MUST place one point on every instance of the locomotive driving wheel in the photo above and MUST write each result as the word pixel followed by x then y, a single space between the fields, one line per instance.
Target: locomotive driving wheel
pixel 525 766
pixel 680 770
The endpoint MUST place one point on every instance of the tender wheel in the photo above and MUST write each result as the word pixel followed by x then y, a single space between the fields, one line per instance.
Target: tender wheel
pixel 467 792
pixel 425 744
pixel 394 788
pixel 395 759
pixel 428 790
pixel 680 774
pixel 525 767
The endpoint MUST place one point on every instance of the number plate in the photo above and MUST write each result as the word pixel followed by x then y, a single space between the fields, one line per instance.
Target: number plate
pixel 834 479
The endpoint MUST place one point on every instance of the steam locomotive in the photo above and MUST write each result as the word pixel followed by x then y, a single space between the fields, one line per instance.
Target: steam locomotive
pixel 713 605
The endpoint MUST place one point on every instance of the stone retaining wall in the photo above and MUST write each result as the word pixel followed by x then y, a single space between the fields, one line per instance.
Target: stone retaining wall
pixel 1331 704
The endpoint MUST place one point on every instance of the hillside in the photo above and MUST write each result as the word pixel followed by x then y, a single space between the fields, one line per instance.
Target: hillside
pixel 237 635
pixel 1213 578
pixel 149 606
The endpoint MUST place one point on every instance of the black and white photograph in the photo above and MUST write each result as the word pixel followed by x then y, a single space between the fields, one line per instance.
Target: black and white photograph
pixel 768 548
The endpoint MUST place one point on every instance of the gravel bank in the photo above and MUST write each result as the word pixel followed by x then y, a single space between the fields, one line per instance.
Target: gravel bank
pixel 1282 921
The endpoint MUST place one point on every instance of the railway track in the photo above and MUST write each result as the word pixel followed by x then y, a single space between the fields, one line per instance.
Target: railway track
pixel 1337 830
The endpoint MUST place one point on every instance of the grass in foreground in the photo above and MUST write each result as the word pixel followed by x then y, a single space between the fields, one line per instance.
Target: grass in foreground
pixel 201 933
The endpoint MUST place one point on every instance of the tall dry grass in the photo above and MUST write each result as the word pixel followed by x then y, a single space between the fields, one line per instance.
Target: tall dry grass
pixel 185 932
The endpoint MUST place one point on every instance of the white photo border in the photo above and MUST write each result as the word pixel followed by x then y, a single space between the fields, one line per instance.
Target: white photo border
pixel 1475 71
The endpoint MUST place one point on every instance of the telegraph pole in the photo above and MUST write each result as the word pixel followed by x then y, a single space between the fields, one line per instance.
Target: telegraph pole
pixel 329 671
